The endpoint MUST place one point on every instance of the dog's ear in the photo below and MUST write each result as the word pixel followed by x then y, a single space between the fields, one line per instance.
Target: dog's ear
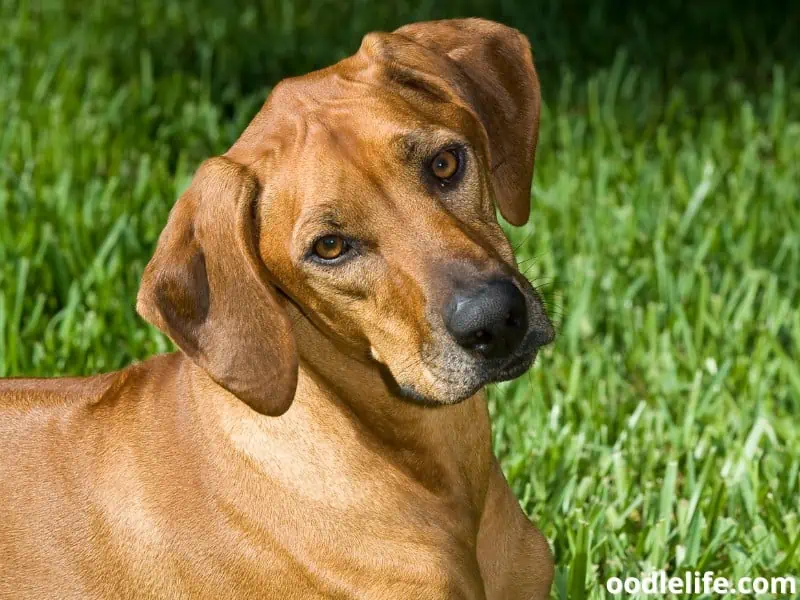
pixel 206 288
pixel 488 69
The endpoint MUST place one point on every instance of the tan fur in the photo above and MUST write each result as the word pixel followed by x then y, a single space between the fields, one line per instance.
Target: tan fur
pixel 273 457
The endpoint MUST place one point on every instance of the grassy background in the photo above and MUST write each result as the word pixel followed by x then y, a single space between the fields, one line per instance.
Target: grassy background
pixel 662 429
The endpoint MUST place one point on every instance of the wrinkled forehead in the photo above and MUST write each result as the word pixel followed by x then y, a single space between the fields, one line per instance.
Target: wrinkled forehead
pixel 362 130
pixel 371 141
pixel 344 168
pixel 356 104
pixel 345 133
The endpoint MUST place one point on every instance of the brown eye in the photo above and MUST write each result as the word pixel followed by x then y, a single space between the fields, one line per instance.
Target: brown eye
pixel 329 247
pixel 445 164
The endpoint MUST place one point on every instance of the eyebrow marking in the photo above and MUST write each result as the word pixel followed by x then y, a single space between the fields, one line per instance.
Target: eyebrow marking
pixel 421 143
pixel 410 145
pixel 328 217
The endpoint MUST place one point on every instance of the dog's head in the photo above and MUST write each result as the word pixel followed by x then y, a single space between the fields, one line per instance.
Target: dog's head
pixel 365 195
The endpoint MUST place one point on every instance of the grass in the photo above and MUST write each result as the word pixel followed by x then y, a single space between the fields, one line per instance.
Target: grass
pixel 660 431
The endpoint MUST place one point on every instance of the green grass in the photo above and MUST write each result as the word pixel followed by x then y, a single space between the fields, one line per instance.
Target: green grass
pixel 662 430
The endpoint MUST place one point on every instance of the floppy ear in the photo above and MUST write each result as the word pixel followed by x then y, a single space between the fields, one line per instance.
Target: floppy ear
pixel 206 288
pixel 495 79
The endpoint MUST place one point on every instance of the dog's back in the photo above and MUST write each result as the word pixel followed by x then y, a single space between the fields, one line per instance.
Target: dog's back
pixel 61 444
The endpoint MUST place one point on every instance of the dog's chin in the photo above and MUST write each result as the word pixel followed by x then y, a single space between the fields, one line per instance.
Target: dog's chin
pixel 468 386
pixel 411 394
pixel 513 369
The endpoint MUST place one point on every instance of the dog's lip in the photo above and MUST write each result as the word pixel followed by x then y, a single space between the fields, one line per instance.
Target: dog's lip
pixel 523 358
pixel 514 369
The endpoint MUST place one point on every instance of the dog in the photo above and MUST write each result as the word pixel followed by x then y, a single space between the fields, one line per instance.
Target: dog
pixel 340 291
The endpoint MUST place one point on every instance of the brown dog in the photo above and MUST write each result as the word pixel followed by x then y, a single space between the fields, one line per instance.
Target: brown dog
pixel 341 266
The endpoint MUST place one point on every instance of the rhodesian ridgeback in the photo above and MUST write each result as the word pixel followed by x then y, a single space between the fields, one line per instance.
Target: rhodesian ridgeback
pixel 340 291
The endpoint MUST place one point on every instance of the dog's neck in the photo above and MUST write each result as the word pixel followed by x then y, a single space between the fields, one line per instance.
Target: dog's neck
pixel 438 446
pixel 344 405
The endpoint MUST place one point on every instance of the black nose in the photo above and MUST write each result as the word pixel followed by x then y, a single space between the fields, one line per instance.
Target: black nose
pixel 490 320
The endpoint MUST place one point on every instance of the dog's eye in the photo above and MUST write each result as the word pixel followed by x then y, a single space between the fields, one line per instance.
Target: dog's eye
pixel 445 165
pixel 330 247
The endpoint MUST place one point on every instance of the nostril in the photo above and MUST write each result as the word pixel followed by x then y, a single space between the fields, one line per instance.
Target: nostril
pixel 513 320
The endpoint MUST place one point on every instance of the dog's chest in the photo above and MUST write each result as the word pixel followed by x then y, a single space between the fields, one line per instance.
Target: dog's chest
pixel 337 519
pixel 361 555
pixel 405 546
pixel 367 530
